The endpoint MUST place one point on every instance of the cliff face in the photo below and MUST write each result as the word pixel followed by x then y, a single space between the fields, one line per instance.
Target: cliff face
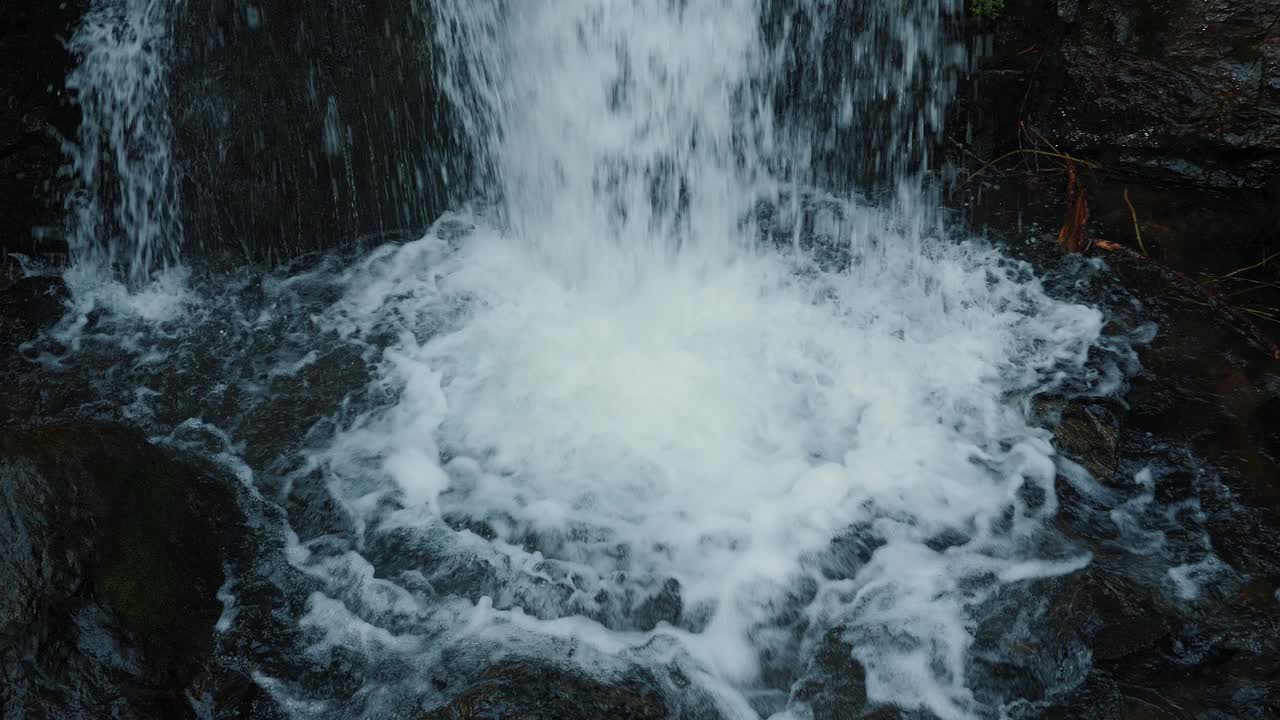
pixel 34 111
pixel 304 126
pixel 295 128
pixel 1180 90
pixel 1171 109
pixel 299 129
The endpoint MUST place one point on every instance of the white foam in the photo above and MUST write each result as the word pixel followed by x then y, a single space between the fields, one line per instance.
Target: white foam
pixel 722 427
pixel 1189 579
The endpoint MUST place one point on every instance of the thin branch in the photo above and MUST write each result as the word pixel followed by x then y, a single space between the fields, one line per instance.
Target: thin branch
pixel 1037 153
pixel 1210 298
pixel 1254 266
pixel 1134 214
pixel 966 150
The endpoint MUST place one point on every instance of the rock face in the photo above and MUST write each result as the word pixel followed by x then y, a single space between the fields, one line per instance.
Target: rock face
pixel 538 692
pixel 114 554
pixel 297 126
pixel 27 306
pixel 1185 90
pixel 305 126
pixel 34 109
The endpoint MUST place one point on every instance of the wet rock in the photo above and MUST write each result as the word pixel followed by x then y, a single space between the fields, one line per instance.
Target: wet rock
pixel 531 691
pixel 850 551
pixel 1086 432
pixel 664 606
pixel 836 685
pixel 29 305
pixel 1119 617
pixel 1168 89
pixel 114 554
pixel 34 110
pixel 345 136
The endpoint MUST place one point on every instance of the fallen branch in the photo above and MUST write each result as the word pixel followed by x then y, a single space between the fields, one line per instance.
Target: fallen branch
pixel 1036 153
pixel 1211 298
pixel 1254 266
pixel 1137 231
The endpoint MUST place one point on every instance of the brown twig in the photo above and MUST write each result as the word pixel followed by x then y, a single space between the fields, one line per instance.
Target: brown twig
pixel 966 150
pixel 1037 153
pixel 1137 231
pixel 1037 135
pixel 1254 266
pixel 1207 294
pixel 1256 286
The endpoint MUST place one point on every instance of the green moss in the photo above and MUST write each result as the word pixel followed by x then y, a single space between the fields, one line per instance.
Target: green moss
pixel 152 567
pixel 1247 51
pixel 986 8
pixel 144 527
pixel 1152 23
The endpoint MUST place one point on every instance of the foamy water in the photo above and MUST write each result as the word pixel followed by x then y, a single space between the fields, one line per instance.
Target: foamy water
pixel 720 430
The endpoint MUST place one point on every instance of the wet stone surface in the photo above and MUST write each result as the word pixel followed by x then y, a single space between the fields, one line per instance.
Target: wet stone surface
pixel 114 556
pixel 537 692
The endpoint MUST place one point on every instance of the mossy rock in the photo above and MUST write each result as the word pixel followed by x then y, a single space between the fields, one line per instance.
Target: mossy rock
pixel 97 520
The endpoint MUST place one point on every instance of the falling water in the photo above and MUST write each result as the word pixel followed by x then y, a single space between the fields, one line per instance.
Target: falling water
pixel 123 214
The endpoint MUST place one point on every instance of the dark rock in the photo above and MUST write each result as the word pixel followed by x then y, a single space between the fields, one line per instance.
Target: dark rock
pixel 28 306
pixel 34 111
pixel 115 551
pixel 1086 432
pixel 1118 616
pixel 529 691
pixel 664 606
pixel 836 684
pixel 306 126
pixel 850 551
pixel 1187 90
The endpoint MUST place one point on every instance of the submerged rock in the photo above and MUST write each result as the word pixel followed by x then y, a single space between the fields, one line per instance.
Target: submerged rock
pixel 114 554
pixel 533 691
pixel 836 685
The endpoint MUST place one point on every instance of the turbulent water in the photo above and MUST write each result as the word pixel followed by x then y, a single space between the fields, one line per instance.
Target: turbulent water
pixel 676 395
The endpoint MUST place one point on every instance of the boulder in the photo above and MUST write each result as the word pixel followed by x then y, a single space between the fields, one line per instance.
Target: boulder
pixel 114 555
pixel 29 305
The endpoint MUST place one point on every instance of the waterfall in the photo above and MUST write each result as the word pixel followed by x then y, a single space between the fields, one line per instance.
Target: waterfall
pixel 700 382
pixel 122 211
pixel 661 128
pixel 666 389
